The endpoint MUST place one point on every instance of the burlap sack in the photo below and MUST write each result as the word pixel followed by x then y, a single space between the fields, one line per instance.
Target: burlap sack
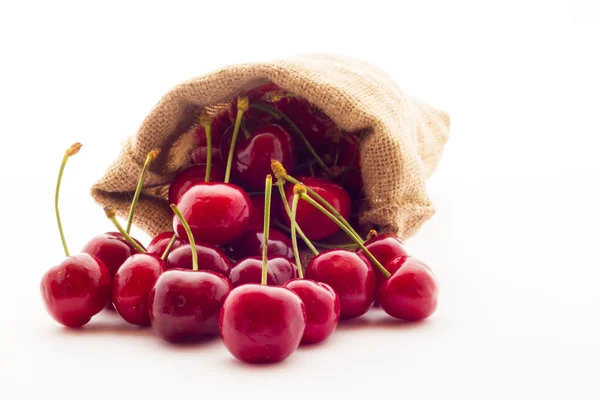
pixel 402 148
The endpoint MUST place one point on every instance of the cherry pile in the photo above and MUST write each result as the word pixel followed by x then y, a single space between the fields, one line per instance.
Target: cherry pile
pixel 232 265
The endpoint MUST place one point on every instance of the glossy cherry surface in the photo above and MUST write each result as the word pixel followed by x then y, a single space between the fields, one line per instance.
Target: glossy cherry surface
pixel 384 248
pixel 111 248
pixel 132 285
pixel 249 270
pixel 251 244
pixel 315 225
pixel 210 258
pixel 411 293
pixel 159 243
pixel 322 308
pixel 191 176
pixel 262 324
pixel 350 275
pixel 257 216
pixel 218 213
pixel 185 305
pixel 76 289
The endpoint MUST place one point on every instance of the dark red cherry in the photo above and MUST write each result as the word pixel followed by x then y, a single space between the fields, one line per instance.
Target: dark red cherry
pixel 257 216
pixel 251 244
pixel 76 289
pixel 350 275
pixel 249 270
pixel 111 248
pixel 252 117
pixel 220 123
pixel 262 324
pixel 411 292
pixel 185 304
pixel 210 258
pixel 191 176
pixel 200 156
pixel 311 121
pixel 322 308
pixel 349 162
pixel 132 285
pixel 218 213
pixel 315 225
pixel 384 248
pixel 159 243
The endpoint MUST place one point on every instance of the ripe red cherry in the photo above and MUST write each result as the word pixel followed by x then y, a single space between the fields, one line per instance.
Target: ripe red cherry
pixel 315 225
pixel 384 248
pixel 262 324
pixel 132 285
pixel 200 156
pixel 210 258
pixel 350 275
pixel 191 176
pixel 322 308
pixel 257 216
pixel 411 293
pixel 249 270
pixel 76 289
pixel 111 248
pixel 220 123
pixel 254 117
pixel 251 244
pixel 185 304
pixel 218 213
pixel 159 243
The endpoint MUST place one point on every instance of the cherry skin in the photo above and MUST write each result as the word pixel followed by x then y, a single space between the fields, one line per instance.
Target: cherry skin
pixel 185 305
pixel 384 248
pixel 76 289
pixel 191 176
pixel 218 213
pixel 249 270
pixel 350 275
pixel 210 258
pixel 322 308
pixel 257 216
pixel 253 117
pixel 262 324
pixel 315 225
pixel 111 248
pixel 159 243
pixel 220 123
pixel 411 292
pixel 348 149
pixel 251 244
pixel 132 285
pixel 200 156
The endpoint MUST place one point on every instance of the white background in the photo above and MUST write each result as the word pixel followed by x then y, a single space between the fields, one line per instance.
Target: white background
pixel 514 242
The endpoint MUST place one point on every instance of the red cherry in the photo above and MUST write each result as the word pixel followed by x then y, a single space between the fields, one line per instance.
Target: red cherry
pixel 315 225
pixel 350 158
pixel 254 117
pixel 210 258
pixel 384 248
pixel 311 121
pixel 262 324
pixel 257 216
pixel 132 285
pixel 249 270
pixel 159 243
pixel 220 123
pixel 185 305
pixel 200 156
pixel 76 289
pixel 251 244
pixel 111 248
pixel 322 308
pixel 218 213
pixel 350 275
pixel 411 292
pixel 191 176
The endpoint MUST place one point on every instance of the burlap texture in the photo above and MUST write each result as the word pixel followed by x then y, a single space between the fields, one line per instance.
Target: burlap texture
pixel 402 148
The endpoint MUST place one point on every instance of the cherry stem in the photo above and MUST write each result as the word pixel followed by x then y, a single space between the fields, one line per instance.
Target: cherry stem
pixel 110 213
pixel 280 183
pixel 169 247
pixel 138 190
pixel 358 241
pixel 294 238
pixel 273 111
pixel 247 134
pixel 206 122
pixel 265 250
pixel 74 149
pixel 242 106
pixel 188 231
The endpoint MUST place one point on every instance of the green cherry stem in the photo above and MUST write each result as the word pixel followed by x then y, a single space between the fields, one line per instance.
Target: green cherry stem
pixel 349 246
pixel 110 214
pixel 206 122
pixel 304 196
pixel 294 238
pixel 165 254
pixel 247 134
pixel 151 156
pixel 188 231
pixel 242 107
pixel 71 151
pixel 268 188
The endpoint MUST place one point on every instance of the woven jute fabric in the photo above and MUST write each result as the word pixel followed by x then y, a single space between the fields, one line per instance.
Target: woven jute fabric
pixel 402 147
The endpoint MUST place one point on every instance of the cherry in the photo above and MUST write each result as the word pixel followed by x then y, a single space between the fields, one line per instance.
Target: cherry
pixel 191 176
pixel 218 213
pixel 255 117
pixel 248 270
pixel 200 156
pixel 111 248
pixel 315 225
pixel 219 124
pixel 257 215
pixel 160 242
pixel 210 258
pixel 411 292
pixel 384 248
pixel 132 285
pixel 79 287
pixel 349 160
pixel 251 245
